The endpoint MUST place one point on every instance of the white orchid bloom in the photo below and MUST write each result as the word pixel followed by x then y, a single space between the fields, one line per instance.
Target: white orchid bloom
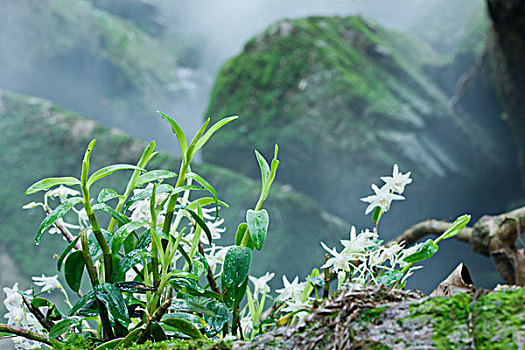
pixel 338 263
pixel 62 193
pixel 261 283
pixel 397 181
pixel 48 283
pixel 382 198
pixel 291 291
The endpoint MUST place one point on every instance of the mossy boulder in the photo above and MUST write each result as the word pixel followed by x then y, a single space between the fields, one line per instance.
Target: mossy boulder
pixel 345 99
pixel 94 62
pixel 41 140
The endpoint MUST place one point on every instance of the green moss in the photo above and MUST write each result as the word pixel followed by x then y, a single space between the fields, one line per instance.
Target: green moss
pixel 342 97
pixel 370 315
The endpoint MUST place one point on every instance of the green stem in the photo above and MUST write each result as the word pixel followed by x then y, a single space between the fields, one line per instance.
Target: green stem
pixel 87 259
pixel 106 253
pixel 173 199
pixel 30 335
pixel 154 248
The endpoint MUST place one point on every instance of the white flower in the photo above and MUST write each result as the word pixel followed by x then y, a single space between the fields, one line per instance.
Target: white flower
pixel 296 305
pixel 406 252
pixel 358 244
pixel 382 198
pixel 338 263
pixel 260 284
pixel 32 205
pixel 22 343
pixel 15 316
pixel 47 283
pixel 62 192
pixel 397 181
pixel 13 298
pixel 291 290
pixel 246 325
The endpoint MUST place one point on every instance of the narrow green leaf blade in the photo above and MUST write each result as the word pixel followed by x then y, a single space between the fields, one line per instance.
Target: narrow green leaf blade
pixel 154 175
pixel 120 218
pixel 56 214
pixel 208 187
pixel 241 229
pixel 111 296
pixel 127 262
pixel 86 299
pixel 265 169
pixel 202 141
pixel 46 184
pixel 183 326
pixel 106 194
pixel 61 327
pixel 66 252
pixel 258 222
pixel 102 173
pixel 427 250
pixel 456 227
pixel 177 130
pixel 74 269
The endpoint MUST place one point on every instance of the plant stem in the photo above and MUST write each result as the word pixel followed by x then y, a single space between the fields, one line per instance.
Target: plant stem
pixel 38 315
pixel 326 289
pixel 30 335
pixel 87 259
pixel 106 253
pixel 209 275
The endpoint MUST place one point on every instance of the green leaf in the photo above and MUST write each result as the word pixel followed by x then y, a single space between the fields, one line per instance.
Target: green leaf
pixel 193 143
pixel 123 232
pixel 154 175
pixel 130 260
pixel 427 250
pixel 199 221
pixel 198 322
pixel 208 187
pixel 265 169
pixel 192 286
pixel 157 332
pixel 376 214
pixel 106 194
pixel 183 326
pixel 74 269
pixel 66 252
pixel 234 277
pixel 390 277
pixel 112 344
pixel 62 327
pixel 241 229
pixel 258 225
pixel 120 218
pixel 456 227
pixel 202 141
pixel 41 302
pixel 130 338
pixel 205 201
pixel 146 193
pixel 46 184
pixel 111 297
pixel 87 298
pixel 217 322
pixel 102 173
pixel 184 305
pixel 183 143
pixel 134 287
pixel 185 256
pixel 56 214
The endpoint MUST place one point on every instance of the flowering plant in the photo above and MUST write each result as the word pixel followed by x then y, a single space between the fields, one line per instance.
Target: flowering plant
pixel 153 269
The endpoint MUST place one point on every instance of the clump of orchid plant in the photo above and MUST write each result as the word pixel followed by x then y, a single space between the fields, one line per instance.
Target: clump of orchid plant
pixel 153 270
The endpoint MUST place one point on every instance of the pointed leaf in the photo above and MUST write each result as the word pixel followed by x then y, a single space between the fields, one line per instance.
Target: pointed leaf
pixel 265 169
pixel 456 227
pixel 184 305
pixel 120 218
pixel 66 252
pixel 106 194
pixel 427 250
pixel 56 214
pixel 183 326
pixel 183 143
pixel 258 225
pixel 241 229
pixel 111 297
pixel 207 186
pixel 127 262
pixel 198 322
pixel 123 232
pixel 86 299
pixel 216 323
pixel 212 130
pixel 191 147
pixel 74 269
pixel 102 173
pixel 154 175
pixel 62 327
pixel 235 274
pixel 390 277
pixel 199 221
pixel 46 184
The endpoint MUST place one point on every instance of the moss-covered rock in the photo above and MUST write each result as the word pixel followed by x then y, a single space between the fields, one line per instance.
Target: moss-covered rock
pixel 93 62
pixel 345 99
pixel 40 140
